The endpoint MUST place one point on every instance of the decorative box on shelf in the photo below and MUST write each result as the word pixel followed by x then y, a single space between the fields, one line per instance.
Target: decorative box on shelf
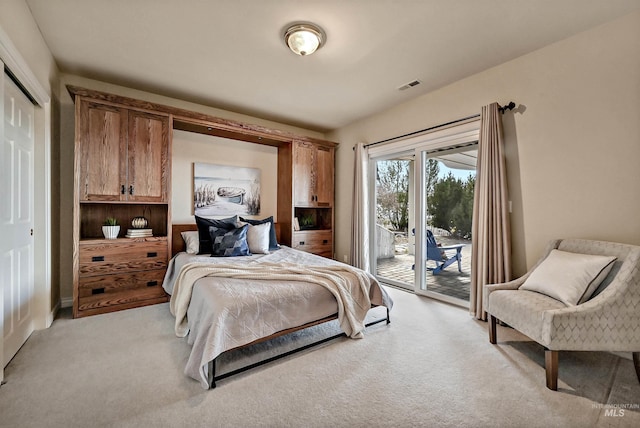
pixel 139 233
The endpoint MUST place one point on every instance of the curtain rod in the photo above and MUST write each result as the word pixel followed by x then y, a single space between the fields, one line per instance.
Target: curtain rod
pixel 509 106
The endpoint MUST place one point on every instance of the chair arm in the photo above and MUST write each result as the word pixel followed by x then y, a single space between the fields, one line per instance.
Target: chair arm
pixel 511 285
pixel 608 322
pixel 452 247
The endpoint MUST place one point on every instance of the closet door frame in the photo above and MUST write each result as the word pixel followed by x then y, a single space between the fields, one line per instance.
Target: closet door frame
pixel 12 62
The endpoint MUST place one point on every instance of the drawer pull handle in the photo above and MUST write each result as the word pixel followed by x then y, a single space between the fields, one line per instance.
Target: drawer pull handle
pixel 131 190
pixel 97 290
pixel 97 258
pixel 301 242
pixel 154 254
pixel 152 283
pixel 325 241
pixel 122 189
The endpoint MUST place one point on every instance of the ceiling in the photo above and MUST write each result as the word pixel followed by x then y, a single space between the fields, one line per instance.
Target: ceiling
pixel 230 54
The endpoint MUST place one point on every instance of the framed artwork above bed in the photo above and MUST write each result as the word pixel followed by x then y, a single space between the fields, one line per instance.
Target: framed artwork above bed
pixel 223 190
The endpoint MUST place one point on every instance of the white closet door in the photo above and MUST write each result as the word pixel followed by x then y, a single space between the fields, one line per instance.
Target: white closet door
pixel 16 219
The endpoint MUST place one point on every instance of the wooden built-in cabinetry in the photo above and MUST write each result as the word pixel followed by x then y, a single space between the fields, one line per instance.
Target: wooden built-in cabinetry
pixel 313 195
pixel 122 170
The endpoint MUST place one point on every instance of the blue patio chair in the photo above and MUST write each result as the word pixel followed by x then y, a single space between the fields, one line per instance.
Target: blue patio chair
pixel 439 255
pixel 442 256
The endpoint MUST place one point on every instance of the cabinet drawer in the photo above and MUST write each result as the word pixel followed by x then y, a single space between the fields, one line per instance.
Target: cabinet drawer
pixel 316 242
pixel 99 258
pixel 119 289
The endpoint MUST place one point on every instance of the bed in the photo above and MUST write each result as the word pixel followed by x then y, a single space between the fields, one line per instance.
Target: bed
pixel 222 304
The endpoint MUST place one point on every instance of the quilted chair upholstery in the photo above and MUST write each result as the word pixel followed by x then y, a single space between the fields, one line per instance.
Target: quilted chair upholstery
pixel 608 321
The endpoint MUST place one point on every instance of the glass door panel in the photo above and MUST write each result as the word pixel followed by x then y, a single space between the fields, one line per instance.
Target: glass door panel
pixel 444 211
pixel 393 249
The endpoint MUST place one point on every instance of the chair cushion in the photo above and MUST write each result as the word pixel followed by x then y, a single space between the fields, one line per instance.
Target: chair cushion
pixel 522 310
pixel 569 277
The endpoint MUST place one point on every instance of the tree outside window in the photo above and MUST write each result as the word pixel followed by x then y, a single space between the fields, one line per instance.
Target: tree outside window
pixel 449 199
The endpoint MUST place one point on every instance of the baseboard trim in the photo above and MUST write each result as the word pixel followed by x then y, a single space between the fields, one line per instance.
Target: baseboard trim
pixel 52 315
pixel 66 302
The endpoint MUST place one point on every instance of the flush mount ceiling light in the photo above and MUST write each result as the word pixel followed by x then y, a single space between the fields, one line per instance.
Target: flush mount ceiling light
pixel 304 38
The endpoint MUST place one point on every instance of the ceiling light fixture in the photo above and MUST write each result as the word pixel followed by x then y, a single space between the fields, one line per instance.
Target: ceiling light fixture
pixel 304 38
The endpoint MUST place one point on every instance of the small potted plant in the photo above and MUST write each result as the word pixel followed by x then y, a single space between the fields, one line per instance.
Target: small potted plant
pixel 111 228
pixel 306 221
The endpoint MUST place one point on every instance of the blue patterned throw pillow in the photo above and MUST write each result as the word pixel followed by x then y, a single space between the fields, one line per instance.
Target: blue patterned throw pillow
pixel 229 243
pixel 203 230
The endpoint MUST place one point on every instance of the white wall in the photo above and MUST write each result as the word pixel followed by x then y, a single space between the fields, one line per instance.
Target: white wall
pixel 189 147
pixel 17 22
pixel 573 146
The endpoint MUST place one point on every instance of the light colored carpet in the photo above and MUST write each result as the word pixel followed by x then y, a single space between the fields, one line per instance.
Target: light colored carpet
pixel 433 367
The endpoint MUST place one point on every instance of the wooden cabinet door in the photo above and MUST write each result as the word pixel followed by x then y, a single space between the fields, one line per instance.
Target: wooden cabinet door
pixel 148 153
pixel 313 175
pixel 324 181
pixel 102 169
pixel 303 173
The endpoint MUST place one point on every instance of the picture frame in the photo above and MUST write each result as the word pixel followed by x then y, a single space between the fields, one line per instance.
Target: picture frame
pixel 223 190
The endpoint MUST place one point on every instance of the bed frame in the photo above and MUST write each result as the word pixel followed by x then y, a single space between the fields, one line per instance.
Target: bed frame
pixel 178 245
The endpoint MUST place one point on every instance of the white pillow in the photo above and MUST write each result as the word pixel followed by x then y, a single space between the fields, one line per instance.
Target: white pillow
pixel 192 241
pixel 569 277
pixel 258 237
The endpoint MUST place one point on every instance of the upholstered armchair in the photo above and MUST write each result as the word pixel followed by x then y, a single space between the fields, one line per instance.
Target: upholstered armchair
pixel 609 320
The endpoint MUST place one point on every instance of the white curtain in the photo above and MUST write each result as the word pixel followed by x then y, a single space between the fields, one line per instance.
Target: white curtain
pixel 360 217
pixel 491 244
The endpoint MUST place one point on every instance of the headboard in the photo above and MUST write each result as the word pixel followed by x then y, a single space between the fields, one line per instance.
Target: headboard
pixel 177 243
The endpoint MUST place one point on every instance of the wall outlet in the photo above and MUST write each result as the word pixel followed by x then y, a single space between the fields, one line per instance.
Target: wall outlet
pixel 345 258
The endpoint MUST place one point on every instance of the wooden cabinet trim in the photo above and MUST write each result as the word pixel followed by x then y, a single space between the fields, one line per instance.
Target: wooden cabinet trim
pixel 201 121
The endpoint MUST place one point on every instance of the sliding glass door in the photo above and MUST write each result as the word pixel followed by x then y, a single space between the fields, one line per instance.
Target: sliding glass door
pixel 421 206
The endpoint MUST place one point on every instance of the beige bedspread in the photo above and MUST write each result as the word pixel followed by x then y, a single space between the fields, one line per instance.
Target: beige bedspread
pixel 348 285
pixel 225 305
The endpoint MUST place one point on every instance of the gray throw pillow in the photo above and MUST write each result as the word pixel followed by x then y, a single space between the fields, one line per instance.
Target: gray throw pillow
pixel 273 241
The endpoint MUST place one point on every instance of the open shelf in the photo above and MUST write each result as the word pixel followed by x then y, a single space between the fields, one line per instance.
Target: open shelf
pixel 314 218
pixel 92 216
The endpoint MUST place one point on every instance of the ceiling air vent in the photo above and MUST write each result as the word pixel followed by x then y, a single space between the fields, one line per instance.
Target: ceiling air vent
pixel 409 85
